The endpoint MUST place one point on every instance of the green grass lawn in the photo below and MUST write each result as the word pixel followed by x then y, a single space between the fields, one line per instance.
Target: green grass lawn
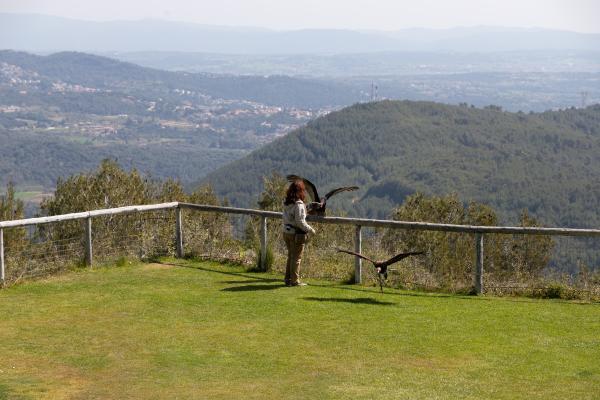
pixel 209 331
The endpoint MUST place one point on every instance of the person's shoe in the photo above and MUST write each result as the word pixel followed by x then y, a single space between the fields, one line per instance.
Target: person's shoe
pixel 299 284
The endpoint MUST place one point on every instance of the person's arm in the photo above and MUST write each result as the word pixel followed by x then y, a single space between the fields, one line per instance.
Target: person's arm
pixel 300 218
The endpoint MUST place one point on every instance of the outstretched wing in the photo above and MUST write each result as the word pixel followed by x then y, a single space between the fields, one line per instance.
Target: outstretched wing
pixel 310 187
pixel 399 257
pixel 340 190
pixel 356 254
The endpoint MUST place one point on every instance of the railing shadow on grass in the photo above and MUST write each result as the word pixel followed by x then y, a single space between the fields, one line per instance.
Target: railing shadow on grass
pixel 428 294
pixel 338 286
pixel 252 278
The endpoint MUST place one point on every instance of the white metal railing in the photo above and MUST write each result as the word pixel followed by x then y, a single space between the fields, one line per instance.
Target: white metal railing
pixel 86 214
pixel 479 231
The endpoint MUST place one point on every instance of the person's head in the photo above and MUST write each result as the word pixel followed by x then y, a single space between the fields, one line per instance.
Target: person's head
pixel 295 192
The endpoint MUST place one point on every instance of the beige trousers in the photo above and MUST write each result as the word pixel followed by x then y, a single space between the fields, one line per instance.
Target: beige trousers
pixel 295 247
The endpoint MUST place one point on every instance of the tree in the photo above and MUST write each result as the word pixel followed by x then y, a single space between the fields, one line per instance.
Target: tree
pixel 274 188
pixel 12 208
pixel 107 187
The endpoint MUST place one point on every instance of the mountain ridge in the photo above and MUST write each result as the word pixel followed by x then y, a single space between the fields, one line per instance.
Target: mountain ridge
pixel 48 33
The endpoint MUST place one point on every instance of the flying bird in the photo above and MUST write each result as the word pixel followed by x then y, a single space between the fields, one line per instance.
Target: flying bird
pixel 318 204
pixel 381 267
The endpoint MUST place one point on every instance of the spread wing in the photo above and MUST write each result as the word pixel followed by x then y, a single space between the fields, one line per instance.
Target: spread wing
pixel 310 187
pixel 340 190
pixel 356 254
pixel 399 257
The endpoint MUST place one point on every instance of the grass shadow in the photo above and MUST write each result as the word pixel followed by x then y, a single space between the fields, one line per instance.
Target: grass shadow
pixel 251 288
pixel 359 300
pixel 252 281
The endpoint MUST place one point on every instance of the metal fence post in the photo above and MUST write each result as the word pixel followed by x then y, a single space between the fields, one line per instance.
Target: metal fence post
pixel 1 255
pixel 479 263
pixel 358 249
pixel 263 243
pixel 88 241
pixel 178 233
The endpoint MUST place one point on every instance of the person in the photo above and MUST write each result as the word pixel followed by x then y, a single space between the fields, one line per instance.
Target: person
pixel 295 231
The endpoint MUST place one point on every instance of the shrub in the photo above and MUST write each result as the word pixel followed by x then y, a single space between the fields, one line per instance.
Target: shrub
pixel 269 260
pixel 449 255
pixel 556 290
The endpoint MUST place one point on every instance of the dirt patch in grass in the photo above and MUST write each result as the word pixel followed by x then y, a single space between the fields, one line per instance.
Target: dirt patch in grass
pixel 156 266
pixel 31 377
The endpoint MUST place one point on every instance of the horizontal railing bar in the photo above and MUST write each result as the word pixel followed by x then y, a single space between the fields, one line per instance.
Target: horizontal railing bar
pixel 231 210
pixel 87 214
pixel 429 226
pixel 426 226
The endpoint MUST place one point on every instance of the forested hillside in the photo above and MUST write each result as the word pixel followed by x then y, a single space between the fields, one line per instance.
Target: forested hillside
pixel 34 159
pixel 547 163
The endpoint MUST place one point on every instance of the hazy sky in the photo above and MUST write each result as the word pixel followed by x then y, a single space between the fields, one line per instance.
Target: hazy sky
pixel 574 15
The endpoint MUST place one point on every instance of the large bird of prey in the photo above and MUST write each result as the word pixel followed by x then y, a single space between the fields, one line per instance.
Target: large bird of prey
pixel 381 267
pixel 318 204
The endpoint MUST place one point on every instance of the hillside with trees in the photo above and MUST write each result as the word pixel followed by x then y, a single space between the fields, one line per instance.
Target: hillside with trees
pixel 61 114
pixel 106 73
pixel 545 163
